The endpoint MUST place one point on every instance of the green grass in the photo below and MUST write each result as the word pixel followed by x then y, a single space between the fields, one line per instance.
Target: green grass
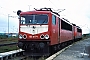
pixel 85 37
pixel 8 40
pixel 8 48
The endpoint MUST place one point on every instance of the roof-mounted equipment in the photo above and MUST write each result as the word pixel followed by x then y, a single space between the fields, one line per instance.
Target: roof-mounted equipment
pixel 47 9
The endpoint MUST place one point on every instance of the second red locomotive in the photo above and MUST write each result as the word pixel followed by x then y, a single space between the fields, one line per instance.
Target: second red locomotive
pixel 43 31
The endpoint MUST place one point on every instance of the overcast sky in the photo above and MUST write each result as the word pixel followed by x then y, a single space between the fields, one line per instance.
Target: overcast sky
pixel 76 11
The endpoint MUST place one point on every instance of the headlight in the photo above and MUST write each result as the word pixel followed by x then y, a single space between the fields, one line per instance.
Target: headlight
pixel 20 36
pixel 42 36
pixel 46 36
pixel 24 36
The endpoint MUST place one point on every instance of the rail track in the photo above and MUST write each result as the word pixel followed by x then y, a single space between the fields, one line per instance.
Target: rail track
pixel 24 58
pixel 28 58
pixel 10 54
pixel 1 40
pixel 19 55
pixel 5 44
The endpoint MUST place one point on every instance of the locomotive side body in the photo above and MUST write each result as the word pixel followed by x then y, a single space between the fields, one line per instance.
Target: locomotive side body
pixel 61 32
pixel 66 31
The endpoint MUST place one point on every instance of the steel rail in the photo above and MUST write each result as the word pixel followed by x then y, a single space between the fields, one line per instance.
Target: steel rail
pixel 5 44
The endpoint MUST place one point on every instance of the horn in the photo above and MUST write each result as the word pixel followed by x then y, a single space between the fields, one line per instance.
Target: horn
pixel 18 12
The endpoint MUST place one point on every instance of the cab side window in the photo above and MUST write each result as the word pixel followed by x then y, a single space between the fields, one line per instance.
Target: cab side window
pixel 53 19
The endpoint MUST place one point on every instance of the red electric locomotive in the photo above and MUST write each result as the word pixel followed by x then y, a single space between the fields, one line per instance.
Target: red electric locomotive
pixel 77 32
pixel 42 31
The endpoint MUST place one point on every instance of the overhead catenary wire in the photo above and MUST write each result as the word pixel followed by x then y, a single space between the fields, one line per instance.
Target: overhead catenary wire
pixel 9 16
pixel 6 10
pixel 52 3
pixel 58 10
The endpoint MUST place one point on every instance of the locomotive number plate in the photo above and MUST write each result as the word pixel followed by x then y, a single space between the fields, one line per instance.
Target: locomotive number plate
pixel 33 36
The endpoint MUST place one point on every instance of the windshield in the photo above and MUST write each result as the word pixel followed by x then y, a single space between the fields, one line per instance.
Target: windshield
pixel 34 19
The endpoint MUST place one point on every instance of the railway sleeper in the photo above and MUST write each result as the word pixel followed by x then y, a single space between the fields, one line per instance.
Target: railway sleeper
pixel 9 55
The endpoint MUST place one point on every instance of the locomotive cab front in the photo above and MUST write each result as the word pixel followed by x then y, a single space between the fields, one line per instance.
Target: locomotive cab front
pixel 34 32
